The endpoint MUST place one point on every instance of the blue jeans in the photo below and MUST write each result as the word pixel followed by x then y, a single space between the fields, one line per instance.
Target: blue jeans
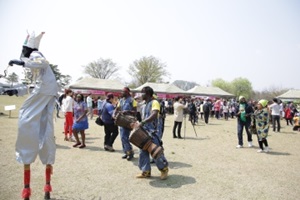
pixel 144 158
pixel 124 133
pixel 241 126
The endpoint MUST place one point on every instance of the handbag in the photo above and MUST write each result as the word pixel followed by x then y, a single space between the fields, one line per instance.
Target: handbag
pixel 99 121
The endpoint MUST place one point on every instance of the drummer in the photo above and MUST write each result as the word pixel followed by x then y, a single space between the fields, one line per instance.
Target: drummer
pixel 127 105
pixel 149 123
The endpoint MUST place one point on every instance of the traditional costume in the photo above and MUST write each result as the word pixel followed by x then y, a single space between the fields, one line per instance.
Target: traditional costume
pixel 35 127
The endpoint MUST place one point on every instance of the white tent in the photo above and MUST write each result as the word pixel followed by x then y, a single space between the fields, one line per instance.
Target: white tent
pixel 208 91
pixel 290 95
pixel 163 90
pixel 96 86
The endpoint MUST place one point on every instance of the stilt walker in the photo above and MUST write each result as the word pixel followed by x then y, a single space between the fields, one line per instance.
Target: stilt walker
pixel 35 127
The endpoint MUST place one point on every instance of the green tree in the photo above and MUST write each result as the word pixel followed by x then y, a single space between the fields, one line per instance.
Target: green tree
pixel 102 68
pixel 147 69
pixel 242 86
pixel 12 78
pixel 222 84
pixel 62 79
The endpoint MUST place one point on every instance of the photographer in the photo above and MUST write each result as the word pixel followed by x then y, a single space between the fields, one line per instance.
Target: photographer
pixel 178 116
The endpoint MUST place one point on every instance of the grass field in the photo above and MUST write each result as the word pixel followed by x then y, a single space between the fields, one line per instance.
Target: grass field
pixel 206 166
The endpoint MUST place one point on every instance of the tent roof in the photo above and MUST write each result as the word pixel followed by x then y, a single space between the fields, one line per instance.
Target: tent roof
pixel 209 91
pixel 161 88
pixel 290 95
pixel 97 84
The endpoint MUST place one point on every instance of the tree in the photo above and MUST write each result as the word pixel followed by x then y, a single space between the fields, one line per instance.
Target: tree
pixel 102 68
pixel 242 86
pixel 62 79
pixel 147 69
pixel 222 84
pixel 12 78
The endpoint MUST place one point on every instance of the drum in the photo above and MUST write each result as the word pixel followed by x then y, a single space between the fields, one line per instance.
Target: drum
pixel 124 120
pixel 142 140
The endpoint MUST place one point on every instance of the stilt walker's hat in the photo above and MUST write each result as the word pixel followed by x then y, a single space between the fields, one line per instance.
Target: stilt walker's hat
pixel 31 44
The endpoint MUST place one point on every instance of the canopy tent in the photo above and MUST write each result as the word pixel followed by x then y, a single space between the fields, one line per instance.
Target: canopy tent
pixel 96 86
pixel 208 91
pixel 163 90
pixel 290 95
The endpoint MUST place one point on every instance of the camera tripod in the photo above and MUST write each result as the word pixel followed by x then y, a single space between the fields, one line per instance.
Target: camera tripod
pixel 184 124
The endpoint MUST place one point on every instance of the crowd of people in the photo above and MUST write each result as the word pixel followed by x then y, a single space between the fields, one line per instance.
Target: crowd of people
pixel 36 130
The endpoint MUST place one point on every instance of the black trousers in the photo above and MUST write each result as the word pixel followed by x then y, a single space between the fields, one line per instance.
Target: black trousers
pixel 177 125
pixel 206 117
pixel 111 133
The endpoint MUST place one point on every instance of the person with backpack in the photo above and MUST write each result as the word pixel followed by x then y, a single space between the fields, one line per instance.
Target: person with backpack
pixel 206 109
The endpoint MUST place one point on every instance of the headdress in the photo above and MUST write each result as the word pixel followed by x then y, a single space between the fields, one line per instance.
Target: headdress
pixel 263 102
pixel 241 97
pixel 31 44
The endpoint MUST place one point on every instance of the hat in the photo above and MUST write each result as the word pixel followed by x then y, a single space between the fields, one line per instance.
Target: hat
pixel 263 102
pixel 241 97
pixel 32 41
pixel 109 96
pixel 31 44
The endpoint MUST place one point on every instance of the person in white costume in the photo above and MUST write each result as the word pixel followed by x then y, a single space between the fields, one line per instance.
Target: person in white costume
pixel 35 127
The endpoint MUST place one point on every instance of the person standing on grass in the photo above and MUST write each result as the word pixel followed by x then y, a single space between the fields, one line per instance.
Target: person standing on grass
pixel 244 112
pixel 89 102
pixel 275 113
pixel 260 120
pixel 178 116
pixel 68 110
pixel 111 130
pixel 127 105
pixel 149 123
pixel 80 120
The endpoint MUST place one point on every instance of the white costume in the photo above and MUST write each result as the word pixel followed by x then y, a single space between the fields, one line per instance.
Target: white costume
pixel 36 131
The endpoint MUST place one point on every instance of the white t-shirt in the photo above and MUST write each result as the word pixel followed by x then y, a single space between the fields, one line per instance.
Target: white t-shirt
pixel 275 109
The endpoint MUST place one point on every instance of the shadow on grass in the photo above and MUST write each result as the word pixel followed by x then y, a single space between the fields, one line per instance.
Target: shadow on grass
pixel 274 153
pixel 173 181
pixel 58 146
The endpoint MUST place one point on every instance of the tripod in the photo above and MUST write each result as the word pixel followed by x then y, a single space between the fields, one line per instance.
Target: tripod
pixel 184 124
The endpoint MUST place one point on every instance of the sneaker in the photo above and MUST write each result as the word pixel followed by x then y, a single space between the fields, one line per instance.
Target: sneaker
pixel 125 156
pixel 130 156
pixel 164 173
pixel 109 148
pixel 145 174
pixel 260 151
pixel 266 149
pixel 239 146
pixel 250 144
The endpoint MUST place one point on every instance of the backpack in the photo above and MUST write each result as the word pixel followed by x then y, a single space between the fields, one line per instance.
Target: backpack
pixel 206 107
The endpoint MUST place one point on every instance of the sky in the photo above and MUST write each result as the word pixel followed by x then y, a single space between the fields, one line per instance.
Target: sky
pixel 197 40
